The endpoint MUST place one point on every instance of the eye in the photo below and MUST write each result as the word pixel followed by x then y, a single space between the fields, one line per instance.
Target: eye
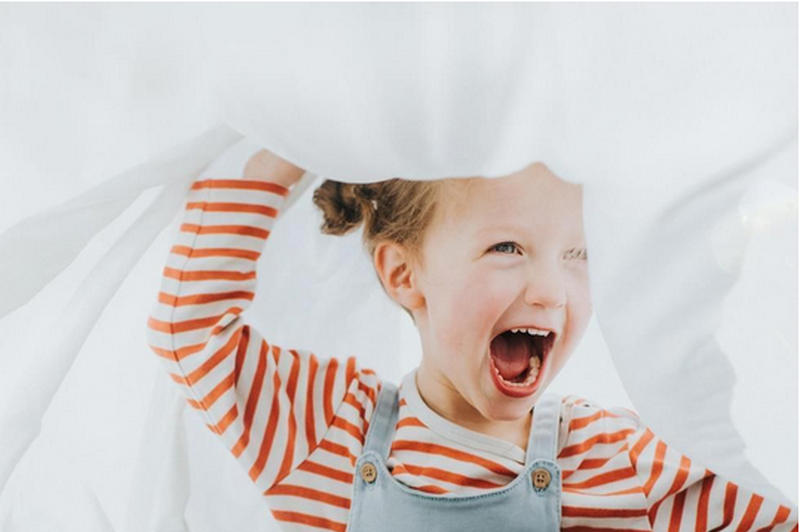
pixel 505 244
pixel 576 253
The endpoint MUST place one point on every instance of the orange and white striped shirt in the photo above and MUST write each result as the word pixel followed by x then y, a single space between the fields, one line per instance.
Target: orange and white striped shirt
pixel 296 421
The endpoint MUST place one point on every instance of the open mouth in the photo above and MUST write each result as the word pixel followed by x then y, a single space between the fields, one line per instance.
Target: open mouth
pixel 517 356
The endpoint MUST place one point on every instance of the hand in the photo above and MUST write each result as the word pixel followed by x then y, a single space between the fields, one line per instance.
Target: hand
pixel 267 166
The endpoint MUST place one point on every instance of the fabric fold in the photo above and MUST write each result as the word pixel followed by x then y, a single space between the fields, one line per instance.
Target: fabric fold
pixel 34 251
pixel 27 273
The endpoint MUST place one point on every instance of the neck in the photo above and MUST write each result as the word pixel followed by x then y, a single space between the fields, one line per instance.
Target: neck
pixel 442 397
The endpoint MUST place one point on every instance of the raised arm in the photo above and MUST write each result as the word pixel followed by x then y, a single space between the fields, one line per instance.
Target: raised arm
pixel 266 166
pixel 684 495
pixel 269 405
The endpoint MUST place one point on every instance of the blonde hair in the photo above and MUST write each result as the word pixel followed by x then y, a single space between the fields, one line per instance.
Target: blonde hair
pixel 395 210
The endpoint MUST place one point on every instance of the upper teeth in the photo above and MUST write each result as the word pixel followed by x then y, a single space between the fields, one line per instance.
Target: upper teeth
pixel 536 332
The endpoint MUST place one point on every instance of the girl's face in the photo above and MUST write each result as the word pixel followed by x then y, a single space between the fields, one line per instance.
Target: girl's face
pixel 509 253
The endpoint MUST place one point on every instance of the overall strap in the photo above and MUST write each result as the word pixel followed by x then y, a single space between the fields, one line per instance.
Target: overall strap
pixel 543 439
pixel 383 421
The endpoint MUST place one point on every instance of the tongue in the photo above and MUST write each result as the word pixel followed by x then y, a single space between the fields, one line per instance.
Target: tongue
pixel 511 354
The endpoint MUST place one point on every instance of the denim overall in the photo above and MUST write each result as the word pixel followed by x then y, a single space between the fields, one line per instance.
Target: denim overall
pixel 530 502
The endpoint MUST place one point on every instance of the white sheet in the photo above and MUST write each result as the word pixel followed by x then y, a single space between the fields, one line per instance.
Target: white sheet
pixel 679 119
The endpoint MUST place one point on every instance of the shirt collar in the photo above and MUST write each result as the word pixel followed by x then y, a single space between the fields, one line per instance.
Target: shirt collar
pixel 448 429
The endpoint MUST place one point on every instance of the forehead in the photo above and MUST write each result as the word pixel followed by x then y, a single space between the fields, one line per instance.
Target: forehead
pixel 532 201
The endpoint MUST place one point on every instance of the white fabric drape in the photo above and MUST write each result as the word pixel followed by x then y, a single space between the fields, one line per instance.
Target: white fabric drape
pixel 38 248
pixel 678 119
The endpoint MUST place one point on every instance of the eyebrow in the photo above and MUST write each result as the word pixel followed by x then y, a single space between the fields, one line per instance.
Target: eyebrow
pixel 515 229
pixel 510 228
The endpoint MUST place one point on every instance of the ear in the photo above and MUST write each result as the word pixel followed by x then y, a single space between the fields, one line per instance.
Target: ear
pixel 398 275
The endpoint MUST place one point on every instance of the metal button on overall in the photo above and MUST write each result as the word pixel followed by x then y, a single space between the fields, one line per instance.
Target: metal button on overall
pixel 541 478
pixel 368 472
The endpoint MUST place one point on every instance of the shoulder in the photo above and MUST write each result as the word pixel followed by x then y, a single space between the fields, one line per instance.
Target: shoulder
pixel 585 413
pixel 367 384
pixel 587 404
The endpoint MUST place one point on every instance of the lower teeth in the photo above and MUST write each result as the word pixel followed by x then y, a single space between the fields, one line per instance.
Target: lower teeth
pixel 533 372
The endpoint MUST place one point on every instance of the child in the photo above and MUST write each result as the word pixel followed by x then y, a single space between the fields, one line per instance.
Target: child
pixel 493 273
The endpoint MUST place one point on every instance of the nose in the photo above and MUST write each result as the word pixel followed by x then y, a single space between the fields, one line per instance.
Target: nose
pixel 545 285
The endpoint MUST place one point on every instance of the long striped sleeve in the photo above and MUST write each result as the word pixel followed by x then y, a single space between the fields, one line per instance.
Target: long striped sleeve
pixel 684 496
pixel 271 406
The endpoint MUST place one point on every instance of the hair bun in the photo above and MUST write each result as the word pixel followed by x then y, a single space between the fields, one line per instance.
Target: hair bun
pixel 367 191
pixel 394 210
pixel 343 205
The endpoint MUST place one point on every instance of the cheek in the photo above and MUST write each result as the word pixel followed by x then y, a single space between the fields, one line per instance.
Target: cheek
pixel 487 295
pixel 584 294
pixel 444 299
pixel 580 305
pixel 464 308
